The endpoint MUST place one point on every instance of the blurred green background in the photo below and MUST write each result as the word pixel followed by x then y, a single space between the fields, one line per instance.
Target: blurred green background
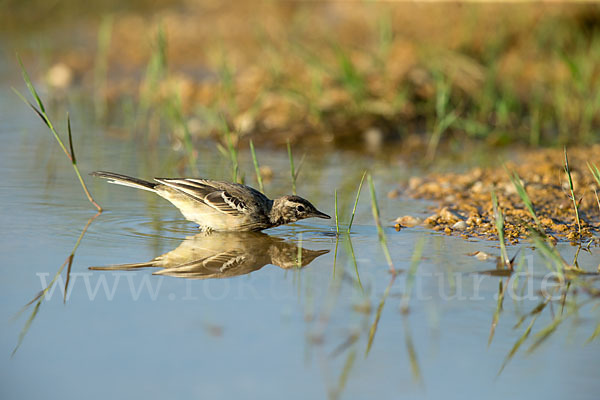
pixel 343 74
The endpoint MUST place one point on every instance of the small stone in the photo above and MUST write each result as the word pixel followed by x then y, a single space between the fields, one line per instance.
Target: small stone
pixel 59 76
pixel 414 182
pixel 447 230
pixel 546 221
pixel 373 138
pixel 244 122
pixel 266 173
pixel 408 221
pixel 432 220
pixel 460 226
pixel 450 198
pixel 392 194
pixel 481 255
pixel 477 187
pixel 450 216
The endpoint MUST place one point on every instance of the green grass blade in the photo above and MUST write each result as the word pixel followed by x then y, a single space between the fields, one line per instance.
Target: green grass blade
pixel 496 317
pixel 545 333
pixel 412 354
pixel 73 160
pixel 572 196
pixel 30 86
pixel 518 184
pixel 595 172
pixel 337 241
pixel 42 294
pixel 348 364
pixel 354 263
pixel 517 345
pixel 380 231
pixel 41 112
pixel 594 334
pixel 412 272
pixel 256 168
pixel 292 169
pixel 337 223
pixel 499 217
pixel 373 328
pixel 356 201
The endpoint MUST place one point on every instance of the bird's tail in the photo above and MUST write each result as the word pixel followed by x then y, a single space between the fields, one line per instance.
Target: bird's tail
pixel 126 180
pixel 123 267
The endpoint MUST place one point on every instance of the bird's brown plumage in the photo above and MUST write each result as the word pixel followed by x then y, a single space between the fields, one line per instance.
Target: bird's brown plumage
pixel 223 206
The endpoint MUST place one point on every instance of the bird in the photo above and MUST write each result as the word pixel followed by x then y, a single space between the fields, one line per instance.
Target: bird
pixel 216 255
pixel 222 206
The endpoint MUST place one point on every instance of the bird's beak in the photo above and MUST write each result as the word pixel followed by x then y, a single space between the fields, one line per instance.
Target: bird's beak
pixel 319 214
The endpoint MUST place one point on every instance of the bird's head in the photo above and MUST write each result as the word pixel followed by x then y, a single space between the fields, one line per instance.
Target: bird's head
pixel 289 209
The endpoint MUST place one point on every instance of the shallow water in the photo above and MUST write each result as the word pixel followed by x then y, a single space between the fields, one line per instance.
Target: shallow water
pixel 263 330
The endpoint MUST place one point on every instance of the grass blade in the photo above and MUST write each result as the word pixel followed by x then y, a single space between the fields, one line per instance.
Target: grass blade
pixel 595 172
pixel 410 277
pixel 348 364
pixel 518 184
pixel 373 329
pixel 412 354
pixel 499 217
pixel 73 160
pixel 256 168
pixel 354 263
pixel 594 334
pixel 337 223
pixel 517 345
pixel 380 231
pixel 356 201
pixel 572 196
pixel 41 112
pixel 30 86
pixel 292 169
pixel 548 251
pixel 496 317
pixel 41 295
pixel 545 333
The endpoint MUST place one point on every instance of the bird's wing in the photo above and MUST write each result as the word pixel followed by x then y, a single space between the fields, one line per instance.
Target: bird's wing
pixel 215 266
pixel 210 193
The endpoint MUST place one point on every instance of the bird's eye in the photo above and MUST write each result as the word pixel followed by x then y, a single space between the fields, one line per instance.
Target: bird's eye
pixel 300 208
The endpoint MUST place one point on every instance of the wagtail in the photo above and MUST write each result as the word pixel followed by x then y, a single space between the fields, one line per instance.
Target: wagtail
pixel 223 206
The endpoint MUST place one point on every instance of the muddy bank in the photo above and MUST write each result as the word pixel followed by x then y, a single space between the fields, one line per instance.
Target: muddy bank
pixel 465 205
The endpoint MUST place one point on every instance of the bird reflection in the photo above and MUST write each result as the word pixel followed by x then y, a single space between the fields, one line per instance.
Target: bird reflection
pixel 223 255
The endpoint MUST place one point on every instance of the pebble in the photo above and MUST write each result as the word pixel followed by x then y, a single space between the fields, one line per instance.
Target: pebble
pixel 392 194
pixel 408 221
pixel 449 216
pixel 415 182
pixel 481 255
pixel 460 226
pixel 60 76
